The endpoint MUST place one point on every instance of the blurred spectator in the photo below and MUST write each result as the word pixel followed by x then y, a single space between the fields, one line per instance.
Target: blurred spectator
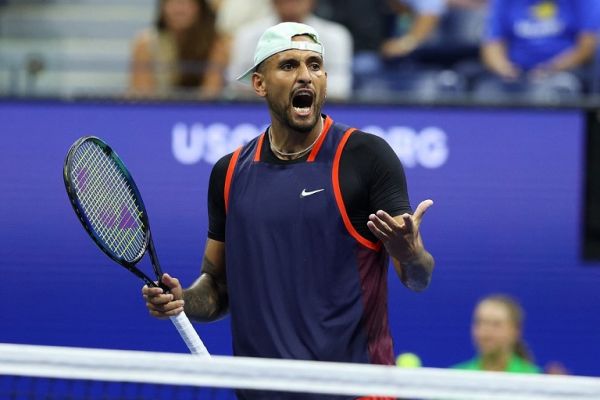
pixel 497 331
pixel 454 48
pixel 424 17
pixel 369 22
pixel 442 33
pixel 538 47
pixel 391 37
pixel 336 39
pixel 461 28
pixel 182 52
pixel 234 14
pixel 467 4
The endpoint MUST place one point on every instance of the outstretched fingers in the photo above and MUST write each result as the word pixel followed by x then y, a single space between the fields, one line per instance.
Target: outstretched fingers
pixel 378 228
pixel 388 220
pixel 421 210
pixel 409 223
pixel 383 226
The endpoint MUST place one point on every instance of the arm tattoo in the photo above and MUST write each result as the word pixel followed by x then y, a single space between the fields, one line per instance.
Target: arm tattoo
pixel 416 275
pixel 206 300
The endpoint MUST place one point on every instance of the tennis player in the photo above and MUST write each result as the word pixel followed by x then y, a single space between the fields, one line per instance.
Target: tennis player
pixel 302 222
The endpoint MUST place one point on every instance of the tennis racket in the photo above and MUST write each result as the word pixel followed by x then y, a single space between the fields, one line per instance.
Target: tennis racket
pixel 110 208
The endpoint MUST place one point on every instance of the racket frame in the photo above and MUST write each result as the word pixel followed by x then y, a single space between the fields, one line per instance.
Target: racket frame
pixel 181 322
pixel 87 225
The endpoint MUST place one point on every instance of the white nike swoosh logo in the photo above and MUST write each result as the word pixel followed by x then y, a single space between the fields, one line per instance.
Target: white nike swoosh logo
pixel 305 193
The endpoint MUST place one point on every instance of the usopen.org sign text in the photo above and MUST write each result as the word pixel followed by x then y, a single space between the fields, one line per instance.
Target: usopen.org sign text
pixel 427 147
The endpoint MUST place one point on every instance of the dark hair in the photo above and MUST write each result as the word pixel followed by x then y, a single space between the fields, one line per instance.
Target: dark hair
pixel 194 47
pixel 517 317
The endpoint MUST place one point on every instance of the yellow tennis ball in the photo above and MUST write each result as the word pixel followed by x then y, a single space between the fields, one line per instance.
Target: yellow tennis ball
pixel 408 360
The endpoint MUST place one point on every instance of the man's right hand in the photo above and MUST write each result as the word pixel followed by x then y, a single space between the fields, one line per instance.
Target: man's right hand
pixel 164 305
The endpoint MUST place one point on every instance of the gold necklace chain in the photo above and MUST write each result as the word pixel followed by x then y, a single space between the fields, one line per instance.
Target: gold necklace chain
pixel 297 153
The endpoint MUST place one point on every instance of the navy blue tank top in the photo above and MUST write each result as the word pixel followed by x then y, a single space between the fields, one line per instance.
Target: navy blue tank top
pixel 302 283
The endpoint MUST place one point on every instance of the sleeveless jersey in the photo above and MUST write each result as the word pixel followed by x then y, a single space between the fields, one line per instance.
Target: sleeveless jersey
pixel 302 282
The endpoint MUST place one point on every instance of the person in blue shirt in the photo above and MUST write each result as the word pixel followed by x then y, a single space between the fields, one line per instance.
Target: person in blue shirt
pixel 528 42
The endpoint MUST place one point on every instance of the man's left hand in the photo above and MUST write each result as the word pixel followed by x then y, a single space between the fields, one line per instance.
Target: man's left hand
pixel 400 235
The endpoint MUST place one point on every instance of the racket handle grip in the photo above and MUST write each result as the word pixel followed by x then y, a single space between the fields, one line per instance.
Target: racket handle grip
pixel 189 335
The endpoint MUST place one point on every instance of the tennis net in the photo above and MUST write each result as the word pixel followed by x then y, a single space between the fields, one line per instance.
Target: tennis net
pixel 63 373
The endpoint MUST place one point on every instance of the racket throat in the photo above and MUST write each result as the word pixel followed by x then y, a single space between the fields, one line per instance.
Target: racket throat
pixel 155 263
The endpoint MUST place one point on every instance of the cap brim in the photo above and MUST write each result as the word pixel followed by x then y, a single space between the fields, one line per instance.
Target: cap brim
pixel 246 77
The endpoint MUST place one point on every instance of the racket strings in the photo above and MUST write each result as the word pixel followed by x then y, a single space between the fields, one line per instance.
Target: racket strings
pixel 108 201
pixel 118 208
pixel 121 210
pixel 109 217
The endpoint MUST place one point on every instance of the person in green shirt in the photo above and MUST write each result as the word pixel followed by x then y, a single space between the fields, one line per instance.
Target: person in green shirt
pixel 497 335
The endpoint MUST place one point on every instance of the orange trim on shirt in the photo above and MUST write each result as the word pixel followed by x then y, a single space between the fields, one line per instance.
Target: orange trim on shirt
pixel 261 139
pixel 339 199
pixel 376 398
pixel 229 176
pixel 317 147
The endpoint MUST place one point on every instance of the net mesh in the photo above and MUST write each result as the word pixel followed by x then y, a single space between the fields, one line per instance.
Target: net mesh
pixel 40 372
pixel 108 201
pixel 27 388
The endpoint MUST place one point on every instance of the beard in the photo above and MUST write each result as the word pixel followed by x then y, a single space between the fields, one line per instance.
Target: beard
pixel 284 113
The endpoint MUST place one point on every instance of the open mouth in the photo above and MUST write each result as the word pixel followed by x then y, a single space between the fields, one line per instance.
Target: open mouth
pixel 302 101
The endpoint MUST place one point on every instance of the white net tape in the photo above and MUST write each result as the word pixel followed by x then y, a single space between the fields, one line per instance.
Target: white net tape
pixel 288 375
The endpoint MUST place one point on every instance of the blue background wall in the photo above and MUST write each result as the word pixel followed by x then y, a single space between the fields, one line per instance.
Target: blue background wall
pixel 507 187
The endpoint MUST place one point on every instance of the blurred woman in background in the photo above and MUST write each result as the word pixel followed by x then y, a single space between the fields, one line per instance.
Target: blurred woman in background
pixel 497 334
pixel 181 53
